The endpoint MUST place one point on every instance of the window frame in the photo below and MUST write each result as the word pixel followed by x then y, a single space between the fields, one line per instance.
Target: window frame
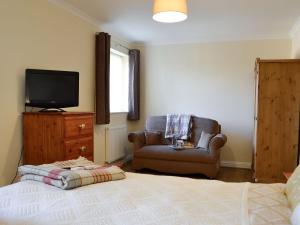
pixel 125 63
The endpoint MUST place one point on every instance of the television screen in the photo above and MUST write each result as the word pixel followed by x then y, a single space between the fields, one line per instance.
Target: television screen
pixel 51 89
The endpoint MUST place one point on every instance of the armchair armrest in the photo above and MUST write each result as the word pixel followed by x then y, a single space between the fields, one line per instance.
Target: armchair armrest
pixel 137 138
pixel 216 143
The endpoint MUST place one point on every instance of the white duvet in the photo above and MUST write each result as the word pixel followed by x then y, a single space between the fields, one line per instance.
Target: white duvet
pixel 145 199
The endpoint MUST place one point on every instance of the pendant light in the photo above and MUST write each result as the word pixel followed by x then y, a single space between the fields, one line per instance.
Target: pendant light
pixel 170 11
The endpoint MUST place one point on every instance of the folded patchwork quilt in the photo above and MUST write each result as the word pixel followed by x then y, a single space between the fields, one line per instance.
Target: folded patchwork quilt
pixel 71 174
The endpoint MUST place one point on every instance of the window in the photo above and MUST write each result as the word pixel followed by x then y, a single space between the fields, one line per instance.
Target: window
pixel 119 71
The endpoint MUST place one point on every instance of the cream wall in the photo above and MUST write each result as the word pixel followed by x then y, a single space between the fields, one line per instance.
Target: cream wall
pixel 296 45
pixel 39 34
pixel 214 80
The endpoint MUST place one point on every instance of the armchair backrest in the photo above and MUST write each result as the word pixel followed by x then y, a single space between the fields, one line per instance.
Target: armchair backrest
pixel 199 124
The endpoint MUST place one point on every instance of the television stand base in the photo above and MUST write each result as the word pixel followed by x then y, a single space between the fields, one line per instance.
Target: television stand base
pixel 52 110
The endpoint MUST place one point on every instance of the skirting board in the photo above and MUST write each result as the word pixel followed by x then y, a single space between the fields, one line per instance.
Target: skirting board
pixel 234 164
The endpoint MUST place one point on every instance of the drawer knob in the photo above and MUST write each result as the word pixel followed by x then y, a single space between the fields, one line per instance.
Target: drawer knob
pixel 82 126
pixel 82 148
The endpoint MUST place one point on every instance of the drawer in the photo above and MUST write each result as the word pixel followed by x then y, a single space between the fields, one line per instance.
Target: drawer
pixel 79 147
pixel 77 126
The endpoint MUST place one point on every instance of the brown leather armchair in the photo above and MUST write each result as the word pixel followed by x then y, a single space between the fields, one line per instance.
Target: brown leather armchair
pixel 161 157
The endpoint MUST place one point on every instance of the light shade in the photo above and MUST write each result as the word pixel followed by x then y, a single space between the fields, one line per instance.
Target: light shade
pixel 169 11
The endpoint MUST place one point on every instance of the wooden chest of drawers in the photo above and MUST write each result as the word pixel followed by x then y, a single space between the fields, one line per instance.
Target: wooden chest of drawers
pixel 56 136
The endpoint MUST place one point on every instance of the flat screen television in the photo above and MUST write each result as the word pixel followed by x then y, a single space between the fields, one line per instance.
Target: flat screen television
pixel 51 88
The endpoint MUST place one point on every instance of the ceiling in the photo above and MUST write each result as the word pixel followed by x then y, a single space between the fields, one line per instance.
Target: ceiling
pixel 208 20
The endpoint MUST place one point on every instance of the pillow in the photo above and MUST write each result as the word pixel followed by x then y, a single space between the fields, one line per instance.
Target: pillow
pixel 293 188
pixel 204 140
pixel 295 219
pixel 153 137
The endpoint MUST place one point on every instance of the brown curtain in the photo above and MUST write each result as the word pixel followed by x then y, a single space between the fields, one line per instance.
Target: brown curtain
pixel 134 85
pixel 102 78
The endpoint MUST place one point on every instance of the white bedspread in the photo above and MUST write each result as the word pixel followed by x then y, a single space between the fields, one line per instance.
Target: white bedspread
pixel 138 199
pixel 267 204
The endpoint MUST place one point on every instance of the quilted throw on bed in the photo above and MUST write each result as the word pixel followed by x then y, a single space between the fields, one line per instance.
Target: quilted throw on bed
pixel 143 199
pixel 71 174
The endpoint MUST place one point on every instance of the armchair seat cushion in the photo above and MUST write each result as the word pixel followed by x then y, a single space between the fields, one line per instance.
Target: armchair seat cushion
pixel 164 152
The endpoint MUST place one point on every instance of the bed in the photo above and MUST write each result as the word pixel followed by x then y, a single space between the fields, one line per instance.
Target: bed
pixel 146 199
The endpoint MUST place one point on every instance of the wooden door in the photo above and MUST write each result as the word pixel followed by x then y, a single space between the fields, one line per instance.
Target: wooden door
pixel 256 74
pixel 277 119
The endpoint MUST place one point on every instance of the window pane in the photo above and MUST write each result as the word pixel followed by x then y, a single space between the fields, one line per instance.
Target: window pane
pixel 118 82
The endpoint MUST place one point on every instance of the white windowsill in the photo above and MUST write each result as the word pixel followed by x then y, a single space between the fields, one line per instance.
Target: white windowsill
pixel 118 112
